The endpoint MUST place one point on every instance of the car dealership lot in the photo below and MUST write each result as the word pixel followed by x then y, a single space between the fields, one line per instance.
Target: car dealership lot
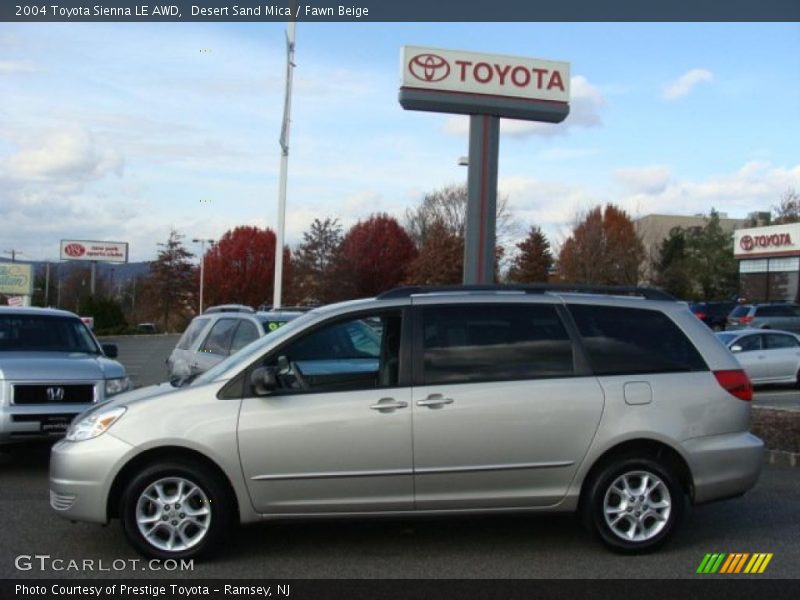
pixel 764 520
pixel 144 356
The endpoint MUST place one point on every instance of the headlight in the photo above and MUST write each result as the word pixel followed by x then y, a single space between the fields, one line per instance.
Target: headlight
pixel 115 386
pixel 94 424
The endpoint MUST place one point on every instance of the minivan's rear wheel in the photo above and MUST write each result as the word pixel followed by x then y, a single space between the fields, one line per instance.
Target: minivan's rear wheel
pixel 175 510
pixel 634 504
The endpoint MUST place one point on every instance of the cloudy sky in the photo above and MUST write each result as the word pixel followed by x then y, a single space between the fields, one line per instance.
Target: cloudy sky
pixel 122 131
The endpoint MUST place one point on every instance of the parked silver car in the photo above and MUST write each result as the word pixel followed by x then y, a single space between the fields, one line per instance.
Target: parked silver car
pixel 51 368
pixel 766 356
pixel 460 401
pixel 219 332
pixel 780 315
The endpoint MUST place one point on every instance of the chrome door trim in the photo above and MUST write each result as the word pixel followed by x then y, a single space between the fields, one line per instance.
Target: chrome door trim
pixel 390 472
pixel 508 467
pixel 332 475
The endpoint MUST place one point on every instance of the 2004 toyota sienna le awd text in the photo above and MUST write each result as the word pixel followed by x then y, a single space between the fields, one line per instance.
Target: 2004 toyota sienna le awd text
pixel 458 401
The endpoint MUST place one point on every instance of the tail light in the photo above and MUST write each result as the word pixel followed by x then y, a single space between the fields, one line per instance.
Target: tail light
pixel 736 382
pixel 700 315
pixel 745 319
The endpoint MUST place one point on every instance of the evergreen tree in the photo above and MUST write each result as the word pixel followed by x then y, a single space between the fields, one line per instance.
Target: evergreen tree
pixel 534 260
pixel 172 278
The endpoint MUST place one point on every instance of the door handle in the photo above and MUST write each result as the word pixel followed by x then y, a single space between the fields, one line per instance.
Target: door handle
pixel 435 401
pixel 385 405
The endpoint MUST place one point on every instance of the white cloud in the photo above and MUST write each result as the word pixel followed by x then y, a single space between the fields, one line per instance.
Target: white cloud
pixel 645 180
pixel 585 105
pixel 17 66
pixel 554 205
pixel 686 83
pixel 70 155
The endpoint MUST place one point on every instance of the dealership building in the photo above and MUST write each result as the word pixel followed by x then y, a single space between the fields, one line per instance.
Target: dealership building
pixel 769 263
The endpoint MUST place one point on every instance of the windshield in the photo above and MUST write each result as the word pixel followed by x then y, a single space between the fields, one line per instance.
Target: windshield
pixel 231 365
pixel 727 338
pixel 45 333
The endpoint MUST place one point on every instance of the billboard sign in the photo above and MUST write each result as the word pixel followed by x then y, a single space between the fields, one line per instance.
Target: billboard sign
pixel 485 74
pixel 116 252
pixel 16 279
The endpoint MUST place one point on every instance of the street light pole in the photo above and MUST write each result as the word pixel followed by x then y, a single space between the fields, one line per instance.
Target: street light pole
pixel 202 243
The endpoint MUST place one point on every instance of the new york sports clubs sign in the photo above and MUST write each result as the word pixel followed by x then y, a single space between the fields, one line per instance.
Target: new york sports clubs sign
pixel 485 74
pixel 116 252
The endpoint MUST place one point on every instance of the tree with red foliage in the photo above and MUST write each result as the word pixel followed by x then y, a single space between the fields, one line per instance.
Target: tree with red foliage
pixel 374 256
pixel 603 249
pixel 240 268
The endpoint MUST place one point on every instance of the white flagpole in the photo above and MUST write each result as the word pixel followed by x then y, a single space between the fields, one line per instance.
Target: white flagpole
pixel 284 142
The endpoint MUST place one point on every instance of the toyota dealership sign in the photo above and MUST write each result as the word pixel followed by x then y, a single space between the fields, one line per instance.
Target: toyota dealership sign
pixel 116 252
pixel 779 240
pixel 487 87
pixel 485 74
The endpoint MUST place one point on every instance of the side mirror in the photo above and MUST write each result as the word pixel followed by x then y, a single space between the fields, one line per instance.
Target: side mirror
pixel 110 350
pixel 263 381
pixel 736 348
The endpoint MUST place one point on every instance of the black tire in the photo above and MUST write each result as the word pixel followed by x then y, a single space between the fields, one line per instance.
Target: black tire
pixel 219 506
pixel 593 504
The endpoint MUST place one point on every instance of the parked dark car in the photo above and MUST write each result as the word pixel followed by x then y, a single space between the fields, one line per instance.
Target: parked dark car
pixel 713 314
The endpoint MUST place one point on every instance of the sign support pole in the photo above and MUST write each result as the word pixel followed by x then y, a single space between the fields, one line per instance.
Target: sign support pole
pixel 479 238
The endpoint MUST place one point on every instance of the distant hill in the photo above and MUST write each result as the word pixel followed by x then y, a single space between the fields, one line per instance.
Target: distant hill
pixel 122 272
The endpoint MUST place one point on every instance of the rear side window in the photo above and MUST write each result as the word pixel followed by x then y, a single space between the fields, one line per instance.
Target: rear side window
pixel 622 341
pixel 191 334
pixel 740 311
pixel 473 343
pixel 777 310
pixel 777 340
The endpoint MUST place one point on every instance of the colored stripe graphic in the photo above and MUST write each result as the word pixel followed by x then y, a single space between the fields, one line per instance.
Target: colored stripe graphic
pixel 722 563
pixel 732 558
pixel 703 563
pixel 741 562
pixel 764 564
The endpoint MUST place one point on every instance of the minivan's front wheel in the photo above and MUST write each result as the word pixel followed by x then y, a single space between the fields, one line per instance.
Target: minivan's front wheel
pixel 175 510
pixel 634 504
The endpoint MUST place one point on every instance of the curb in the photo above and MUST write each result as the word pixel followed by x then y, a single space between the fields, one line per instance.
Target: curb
pixel 780 458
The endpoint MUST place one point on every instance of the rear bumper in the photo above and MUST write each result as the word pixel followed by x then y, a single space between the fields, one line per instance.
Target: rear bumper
pixel 724 465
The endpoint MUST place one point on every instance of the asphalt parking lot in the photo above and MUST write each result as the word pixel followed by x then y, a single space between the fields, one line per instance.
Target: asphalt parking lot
pixel 764 520
pixel 144 356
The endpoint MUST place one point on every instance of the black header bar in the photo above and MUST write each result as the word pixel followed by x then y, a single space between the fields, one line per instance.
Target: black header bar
pixel 398 10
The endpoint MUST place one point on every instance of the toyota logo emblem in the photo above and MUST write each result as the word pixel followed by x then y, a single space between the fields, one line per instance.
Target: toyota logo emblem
pixel 747 243
pixel 55 394
pixel 429 67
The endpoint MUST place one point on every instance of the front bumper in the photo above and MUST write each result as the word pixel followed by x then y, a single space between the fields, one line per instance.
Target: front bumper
pixel 723 466
pixel 37 421
pixel 81 474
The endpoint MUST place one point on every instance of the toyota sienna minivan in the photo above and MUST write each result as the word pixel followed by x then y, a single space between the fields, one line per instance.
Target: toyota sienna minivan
pixel 429 401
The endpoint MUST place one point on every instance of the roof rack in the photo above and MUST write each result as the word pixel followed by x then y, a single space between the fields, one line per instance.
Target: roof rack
pixel 647 293
pixel 228 308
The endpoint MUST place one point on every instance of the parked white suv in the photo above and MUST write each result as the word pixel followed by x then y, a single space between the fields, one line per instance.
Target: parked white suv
pixel 219 332
pixel 429 402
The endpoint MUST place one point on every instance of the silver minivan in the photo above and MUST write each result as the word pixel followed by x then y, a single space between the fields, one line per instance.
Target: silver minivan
pixel 428 402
